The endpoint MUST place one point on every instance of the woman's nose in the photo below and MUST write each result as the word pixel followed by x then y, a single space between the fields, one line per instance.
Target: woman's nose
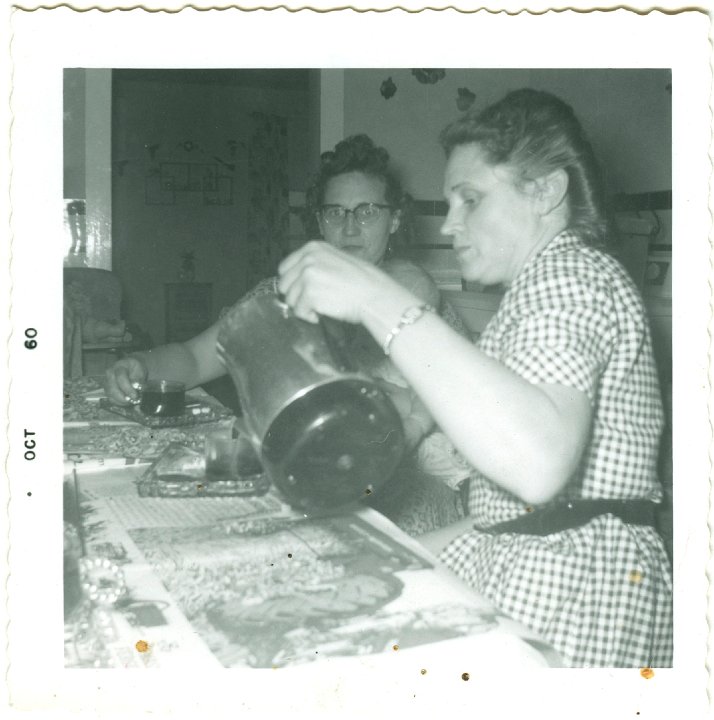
pixel 351 226
pixel 449 225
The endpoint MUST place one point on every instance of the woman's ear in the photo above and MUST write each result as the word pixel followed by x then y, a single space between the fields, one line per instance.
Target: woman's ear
pixel 396 221
pixel 550 191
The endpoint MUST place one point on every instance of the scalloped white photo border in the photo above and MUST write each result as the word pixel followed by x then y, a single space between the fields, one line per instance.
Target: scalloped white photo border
pixel 44 42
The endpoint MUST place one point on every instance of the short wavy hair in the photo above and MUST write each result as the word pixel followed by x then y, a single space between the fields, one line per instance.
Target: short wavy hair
pixel 357 153
pixel 536 133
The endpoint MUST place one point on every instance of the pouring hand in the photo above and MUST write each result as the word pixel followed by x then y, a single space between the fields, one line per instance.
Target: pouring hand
pixel 121 377
pixel 318 280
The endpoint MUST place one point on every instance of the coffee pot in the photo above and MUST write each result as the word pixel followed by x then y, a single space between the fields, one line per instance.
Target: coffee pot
pixel 326 434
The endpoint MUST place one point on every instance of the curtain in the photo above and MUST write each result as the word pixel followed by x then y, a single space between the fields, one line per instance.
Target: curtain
pixel 268 210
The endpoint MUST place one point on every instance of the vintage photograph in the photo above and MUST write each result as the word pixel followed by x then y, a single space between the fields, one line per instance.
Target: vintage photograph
pixel 523 280
pixel 364 364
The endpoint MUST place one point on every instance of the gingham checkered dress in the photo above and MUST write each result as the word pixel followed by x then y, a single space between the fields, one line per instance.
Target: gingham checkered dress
pixel 601 593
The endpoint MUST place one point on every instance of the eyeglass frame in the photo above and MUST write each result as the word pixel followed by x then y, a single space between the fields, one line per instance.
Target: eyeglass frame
pixel 347 211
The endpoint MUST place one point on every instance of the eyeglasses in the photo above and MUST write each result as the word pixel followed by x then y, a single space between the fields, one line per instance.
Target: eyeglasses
pixel 364 214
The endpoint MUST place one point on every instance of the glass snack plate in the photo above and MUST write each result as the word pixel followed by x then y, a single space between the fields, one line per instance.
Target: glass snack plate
pixel 181 472
pixel 197 412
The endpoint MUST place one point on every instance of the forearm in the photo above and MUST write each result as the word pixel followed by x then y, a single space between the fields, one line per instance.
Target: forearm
pixel 170 362
pixel 527 438
pixel 507 428
pixel 436 540
pixel 193 362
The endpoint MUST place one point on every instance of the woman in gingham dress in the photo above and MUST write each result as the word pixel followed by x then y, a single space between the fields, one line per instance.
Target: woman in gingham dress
pixel 557 408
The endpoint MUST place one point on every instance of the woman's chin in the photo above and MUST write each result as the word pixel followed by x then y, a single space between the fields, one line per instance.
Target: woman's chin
pixel 470 275
pixel 355 251
pixel 477 275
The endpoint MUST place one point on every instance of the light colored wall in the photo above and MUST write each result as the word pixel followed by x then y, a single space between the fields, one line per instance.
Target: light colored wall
pixel 332 108
pixel 73 133
pixel 627 114
pixel 98 163
pixel 87 155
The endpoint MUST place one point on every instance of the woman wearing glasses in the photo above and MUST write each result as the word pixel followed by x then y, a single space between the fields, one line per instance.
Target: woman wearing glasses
pixel 358 205
pixel 557 408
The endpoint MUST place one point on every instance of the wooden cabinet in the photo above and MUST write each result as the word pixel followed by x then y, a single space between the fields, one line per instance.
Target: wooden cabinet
pixel 188 309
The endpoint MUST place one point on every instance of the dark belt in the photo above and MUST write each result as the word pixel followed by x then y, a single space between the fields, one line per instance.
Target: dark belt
pixel 566 515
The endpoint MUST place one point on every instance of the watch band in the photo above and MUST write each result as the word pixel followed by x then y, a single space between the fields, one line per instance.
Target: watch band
pixel 409 317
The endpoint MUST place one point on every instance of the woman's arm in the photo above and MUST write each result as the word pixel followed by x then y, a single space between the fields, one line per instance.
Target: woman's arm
pixel 436 540
pixel 528 438
pixel 193 362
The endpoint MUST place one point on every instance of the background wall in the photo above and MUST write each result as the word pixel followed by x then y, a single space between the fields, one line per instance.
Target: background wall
pixel 73 133
pixel 87 164
pixel 627 114
pixel 193 117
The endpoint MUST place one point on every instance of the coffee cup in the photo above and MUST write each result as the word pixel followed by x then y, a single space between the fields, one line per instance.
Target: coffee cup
pixel 161 398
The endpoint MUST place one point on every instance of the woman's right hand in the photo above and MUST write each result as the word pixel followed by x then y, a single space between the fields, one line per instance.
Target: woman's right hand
pixel 318 279
pixel 121 377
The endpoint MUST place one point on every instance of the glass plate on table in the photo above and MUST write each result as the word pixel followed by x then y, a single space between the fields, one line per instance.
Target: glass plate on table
pixel 181 472
pixel 197 412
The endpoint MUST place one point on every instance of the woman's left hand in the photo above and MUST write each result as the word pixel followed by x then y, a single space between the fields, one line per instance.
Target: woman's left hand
pixel 318 280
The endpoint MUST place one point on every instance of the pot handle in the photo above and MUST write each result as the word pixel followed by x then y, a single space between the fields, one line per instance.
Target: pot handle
pixel 335 332
pixel 336 335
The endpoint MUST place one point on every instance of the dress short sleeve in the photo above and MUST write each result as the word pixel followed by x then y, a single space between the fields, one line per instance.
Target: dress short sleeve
pixel 560 331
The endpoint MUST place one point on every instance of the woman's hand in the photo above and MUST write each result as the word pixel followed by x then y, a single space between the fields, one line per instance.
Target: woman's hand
pixel 318 279
pixel 120 378
pixel 416 420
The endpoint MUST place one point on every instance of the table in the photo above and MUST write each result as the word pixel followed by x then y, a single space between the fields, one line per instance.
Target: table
pixel 247 582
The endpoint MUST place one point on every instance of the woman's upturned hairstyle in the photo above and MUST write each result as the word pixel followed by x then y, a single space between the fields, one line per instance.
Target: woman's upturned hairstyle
pixel 357 153
pixel 536 133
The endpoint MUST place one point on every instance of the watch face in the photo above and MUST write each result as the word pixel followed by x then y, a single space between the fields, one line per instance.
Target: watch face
pixel 414 313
